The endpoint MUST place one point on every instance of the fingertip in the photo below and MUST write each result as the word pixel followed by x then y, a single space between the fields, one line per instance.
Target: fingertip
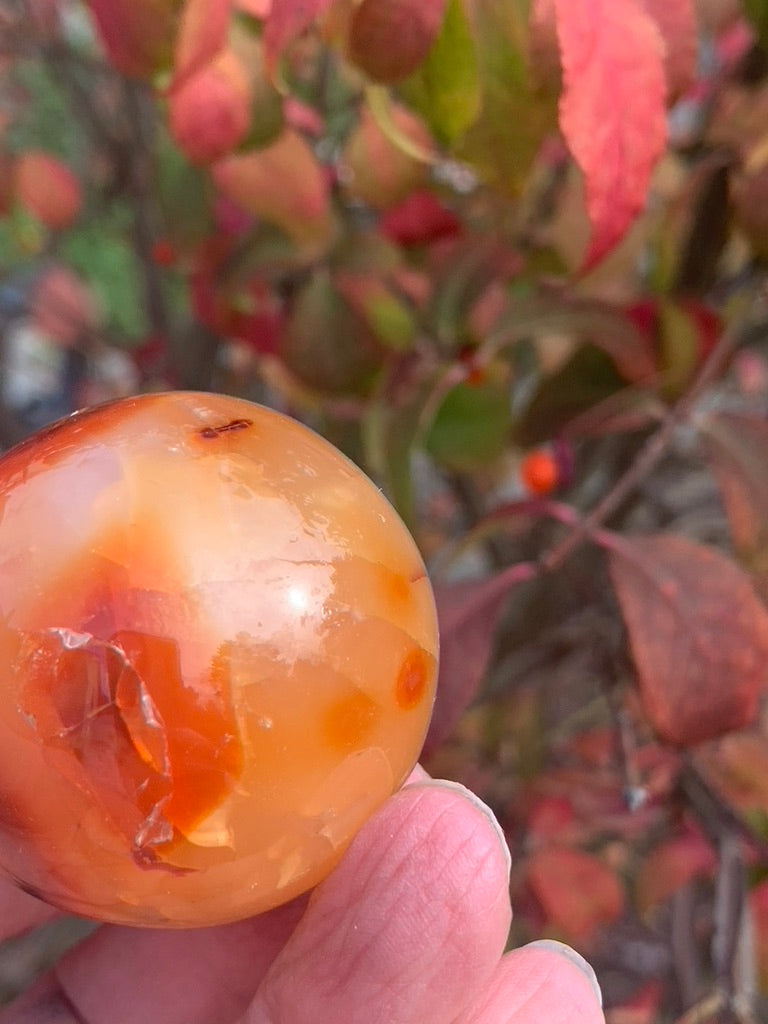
pixel 545 980
pixel 572 957
pixel 414 919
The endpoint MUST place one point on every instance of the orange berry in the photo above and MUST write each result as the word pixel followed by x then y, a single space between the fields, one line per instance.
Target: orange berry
pixel 539 472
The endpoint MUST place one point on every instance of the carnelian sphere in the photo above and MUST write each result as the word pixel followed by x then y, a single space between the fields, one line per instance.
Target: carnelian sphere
pixel 218 648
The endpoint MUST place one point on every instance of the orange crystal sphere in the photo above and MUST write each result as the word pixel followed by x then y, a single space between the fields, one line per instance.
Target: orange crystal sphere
pixel 218 648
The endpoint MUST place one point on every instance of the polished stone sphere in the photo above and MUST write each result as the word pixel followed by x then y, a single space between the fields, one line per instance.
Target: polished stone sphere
pixel 218 650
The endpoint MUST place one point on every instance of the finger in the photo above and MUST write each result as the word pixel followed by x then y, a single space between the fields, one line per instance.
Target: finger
pixel 418 775
pixel 129 976
pixel 545 981
pixel 18 911
pixel 409 927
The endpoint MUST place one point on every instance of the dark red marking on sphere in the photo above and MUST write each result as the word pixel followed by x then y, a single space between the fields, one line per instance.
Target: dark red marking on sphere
pixel 225 428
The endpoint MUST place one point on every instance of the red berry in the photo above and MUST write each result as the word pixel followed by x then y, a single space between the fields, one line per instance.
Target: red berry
pixel 163 253
pixel 539 472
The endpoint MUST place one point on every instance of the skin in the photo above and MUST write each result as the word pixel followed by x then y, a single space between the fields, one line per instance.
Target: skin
pixel 409 929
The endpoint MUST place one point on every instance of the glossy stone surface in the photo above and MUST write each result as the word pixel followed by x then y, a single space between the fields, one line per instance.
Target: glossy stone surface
pixel 218 650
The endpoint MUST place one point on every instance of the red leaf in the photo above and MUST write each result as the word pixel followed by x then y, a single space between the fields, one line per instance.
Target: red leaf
pixel 577 891
pixel 389 39
pixel 736 767
pixel 467 614
pixel 286 21
pixel 671 865
pixel 202 34
pixel 676 21
pixel 698 633
pixel 419 219
pixel 210 112
pixel 612 109
pixel 137 34
pixel 758 910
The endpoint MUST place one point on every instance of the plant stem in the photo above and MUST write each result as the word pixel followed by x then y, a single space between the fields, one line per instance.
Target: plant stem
pixel 649 455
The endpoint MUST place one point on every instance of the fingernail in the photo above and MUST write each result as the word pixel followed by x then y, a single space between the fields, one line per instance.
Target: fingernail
pixel 475 800
pixel 560 949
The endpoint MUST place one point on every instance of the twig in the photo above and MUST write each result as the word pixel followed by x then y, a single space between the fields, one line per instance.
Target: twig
pixel 687 966
pixel 704 1010
pixel 649 454
pixel 144 228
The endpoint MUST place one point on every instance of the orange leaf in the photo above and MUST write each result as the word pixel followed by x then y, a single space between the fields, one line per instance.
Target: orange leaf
pixel 283 184
pixel 202 34
pixel 46 188
pixel 374 168
pixel 389 39
pixel 737 767
pixel 698 633
pixel 577 891
pixel 612 109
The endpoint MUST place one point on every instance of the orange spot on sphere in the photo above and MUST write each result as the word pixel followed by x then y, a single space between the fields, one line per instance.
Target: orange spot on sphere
pixel 349 721
pixel 205 662
pixel 412 680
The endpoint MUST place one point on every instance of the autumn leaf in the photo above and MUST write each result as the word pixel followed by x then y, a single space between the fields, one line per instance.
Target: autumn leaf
pixel 757 903
pixel 737 450
pixel 286 21
pixel 698 635
pixel 446 88
pixel 389 39
pixel 577 891
pixel 612 109
pixel 46 188
pixel 671 865
pixel 202 34
pixel 676 21
pixel 516 111
pixel 468 614
pixel 736 766
pixel 138 37
pixel 210 112
pixel 374 167
pixel 282 183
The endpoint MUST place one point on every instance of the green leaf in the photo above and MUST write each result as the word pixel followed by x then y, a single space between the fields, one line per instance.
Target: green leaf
pixel 446 88
pixel 757 12
pixel 326 345
pixel 100 253
pixel 47 122
pixel 589 377
pixel 679 337
pixel 183 194
pixel 472 425
pixel 517 114
pixel 388 435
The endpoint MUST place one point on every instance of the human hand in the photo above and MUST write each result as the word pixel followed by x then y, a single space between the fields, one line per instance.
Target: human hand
pixel 409 929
